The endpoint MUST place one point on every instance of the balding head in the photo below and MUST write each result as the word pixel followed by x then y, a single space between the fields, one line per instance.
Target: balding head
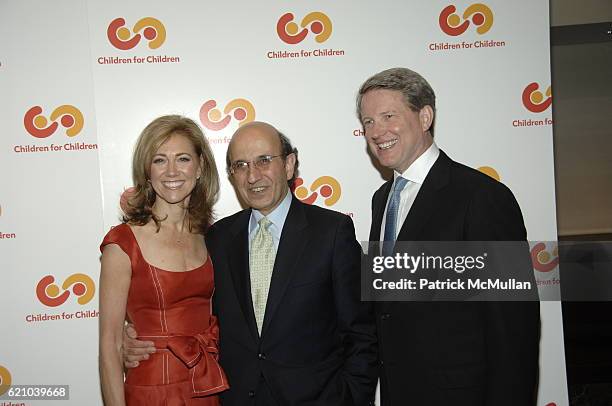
pixel 263 127
pixel 243 132
pixel 261 163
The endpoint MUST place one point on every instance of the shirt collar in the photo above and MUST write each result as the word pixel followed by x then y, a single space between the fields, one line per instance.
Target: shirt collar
pixel 417 172
pixel 277 216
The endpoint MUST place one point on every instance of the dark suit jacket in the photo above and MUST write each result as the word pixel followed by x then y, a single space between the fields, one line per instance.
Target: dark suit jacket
pixel 318 341
pixel 468 353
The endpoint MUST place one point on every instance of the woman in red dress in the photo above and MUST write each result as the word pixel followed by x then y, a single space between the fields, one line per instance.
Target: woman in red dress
pixel 157 274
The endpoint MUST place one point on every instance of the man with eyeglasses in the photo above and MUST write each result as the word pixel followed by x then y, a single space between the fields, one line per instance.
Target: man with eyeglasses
pixel 293 330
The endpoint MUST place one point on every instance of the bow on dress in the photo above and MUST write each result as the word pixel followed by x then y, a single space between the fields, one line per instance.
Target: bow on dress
pixel 200 353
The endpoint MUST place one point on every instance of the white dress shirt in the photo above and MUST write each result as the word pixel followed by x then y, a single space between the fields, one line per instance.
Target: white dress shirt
pixel 415 174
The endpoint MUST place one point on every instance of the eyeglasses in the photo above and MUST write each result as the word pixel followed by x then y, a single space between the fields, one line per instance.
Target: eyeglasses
pixel 261 162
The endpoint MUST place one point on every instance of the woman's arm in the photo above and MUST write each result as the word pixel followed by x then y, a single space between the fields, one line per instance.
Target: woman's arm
pixel 114 285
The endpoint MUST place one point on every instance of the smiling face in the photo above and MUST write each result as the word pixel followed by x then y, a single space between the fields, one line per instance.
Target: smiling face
pixel 396 135
pixel 260 188
pixel 175 169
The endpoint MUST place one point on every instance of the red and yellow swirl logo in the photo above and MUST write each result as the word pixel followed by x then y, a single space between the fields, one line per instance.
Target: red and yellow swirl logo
pixel 544 260
pixel 240 109
pixel 5 380
pixel 38 125
pixel 534 100
pixel 478 14
pixel 325 186
pixel 49 293
pixel 490 171
pixel 317 22
pixel 122 38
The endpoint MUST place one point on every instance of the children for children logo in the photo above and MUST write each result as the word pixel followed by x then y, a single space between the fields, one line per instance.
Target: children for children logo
pixel 64 121
pixel 534 100
pixel 325 186
pixel 316 25
pixel 69 117
pixel 289 32
pixel 241 110
pixel 5 380
pixel 537 102
pixel 51 295
pixel 488 170
pixel 3 234
pixel 543 259
pixel 122 38
pixel 477 15
pixel 147 30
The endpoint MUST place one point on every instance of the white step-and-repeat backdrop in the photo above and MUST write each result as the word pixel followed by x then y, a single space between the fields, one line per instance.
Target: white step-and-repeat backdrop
pixel 79 80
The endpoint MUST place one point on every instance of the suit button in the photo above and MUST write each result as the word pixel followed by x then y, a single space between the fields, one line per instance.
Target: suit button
pixel 382 363
pixel 385 316
pixel 261 355
pixel 251 393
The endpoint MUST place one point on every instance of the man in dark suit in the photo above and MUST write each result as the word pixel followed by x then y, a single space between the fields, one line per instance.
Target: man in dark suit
pixel 316 343
pixel 293 330
pixel 442 353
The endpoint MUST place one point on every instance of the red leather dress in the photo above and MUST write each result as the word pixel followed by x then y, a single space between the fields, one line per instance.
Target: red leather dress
pixel 172 309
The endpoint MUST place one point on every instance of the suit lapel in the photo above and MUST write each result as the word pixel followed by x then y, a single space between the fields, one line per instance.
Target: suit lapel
pixel 292 244
pixel 378 210
pixel 424 206
pixel 427 201
pixel 239 268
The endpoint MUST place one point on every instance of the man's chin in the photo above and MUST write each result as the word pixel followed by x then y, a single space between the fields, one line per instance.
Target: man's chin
pixel 258 203
pixel 385 163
